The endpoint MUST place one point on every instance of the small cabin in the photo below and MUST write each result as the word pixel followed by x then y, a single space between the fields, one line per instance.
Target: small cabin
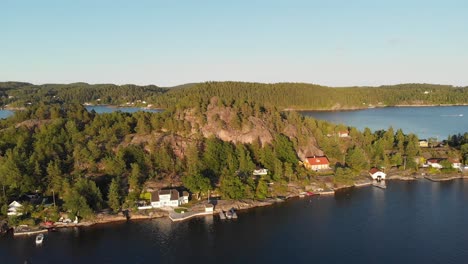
pixel 423 143
pixel 377 174
pixel 209 208
pixel 260 172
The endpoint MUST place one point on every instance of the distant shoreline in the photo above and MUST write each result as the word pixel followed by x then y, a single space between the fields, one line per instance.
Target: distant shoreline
pixel 346 109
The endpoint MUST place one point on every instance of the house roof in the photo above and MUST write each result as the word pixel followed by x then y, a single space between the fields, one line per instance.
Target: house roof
pixel 185 194
pixel 323 160
pixel 174 194
pixel 154 196
pixel 209 205
pixel 14 204
pixel 435 160
pixel 165 192
pixel 373 170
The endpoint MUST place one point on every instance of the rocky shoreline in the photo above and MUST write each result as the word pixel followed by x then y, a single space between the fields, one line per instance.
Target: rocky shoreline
pixel 244 204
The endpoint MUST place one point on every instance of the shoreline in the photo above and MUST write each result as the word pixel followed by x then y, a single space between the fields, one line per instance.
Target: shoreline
pixel 224 205
pixel 357 108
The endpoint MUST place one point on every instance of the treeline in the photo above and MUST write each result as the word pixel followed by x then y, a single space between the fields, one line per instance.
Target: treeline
pixel 22 94
pixel 281 95
pixel 460 142
pixel 309 96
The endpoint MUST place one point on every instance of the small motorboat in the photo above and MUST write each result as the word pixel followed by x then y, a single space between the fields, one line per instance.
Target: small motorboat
pixel 39 239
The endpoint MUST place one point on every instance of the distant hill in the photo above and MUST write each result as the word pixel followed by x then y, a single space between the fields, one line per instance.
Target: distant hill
pixel 309 96
pixel 298 96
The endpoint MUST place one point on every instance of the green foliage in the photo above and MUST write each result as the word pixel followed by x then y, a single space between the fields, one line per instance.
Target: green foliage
pixel 113 197
pixel 231 186
pixel 262 190
pixel 344 176
pixel 196 183
pixel 356 159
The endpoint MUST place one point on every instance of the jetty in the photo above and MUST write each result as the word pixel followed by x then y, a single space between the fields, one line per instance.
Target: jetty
pixel 30 232
pixel 332 192
pixel 175 217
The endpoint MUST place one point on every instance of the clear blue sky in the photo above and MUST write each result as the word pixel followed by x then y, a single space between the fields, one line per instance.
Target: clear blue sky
pixel 329 42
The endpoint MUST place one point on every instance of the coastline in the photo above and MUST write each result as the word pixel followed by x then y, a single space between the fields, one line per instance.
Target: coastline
pixel 358 108
pixel 225 205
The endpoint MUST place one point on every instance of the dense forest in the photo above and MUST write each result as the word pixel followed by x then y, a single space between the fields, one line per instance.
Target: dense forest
pixel 281 95
pixel 94 161
pixel 16 94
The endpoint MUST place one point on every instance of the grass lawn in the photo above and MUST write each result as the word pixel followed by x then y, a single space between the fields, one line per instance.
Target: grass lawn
pixel 180 209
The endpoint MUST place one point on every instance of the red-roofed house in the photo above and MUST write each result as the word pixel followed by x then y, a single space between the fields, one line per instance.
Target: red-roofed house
pixel 377 174
pixel 317 163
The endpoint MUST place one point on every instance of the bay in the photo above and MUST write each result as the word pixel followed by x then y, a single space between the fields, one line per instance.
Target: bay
pixel 100 109
pixel 409 222
pixel 432 121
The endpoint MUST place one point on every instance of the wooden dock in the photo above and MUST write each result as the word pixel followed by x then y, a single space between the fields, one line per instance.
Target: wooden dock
pixel 29 233
pixel 175 217
pixel 332 192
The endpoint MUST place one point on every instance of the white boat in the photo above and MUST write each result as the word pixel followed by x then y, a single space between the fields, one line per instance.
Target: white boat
pixel 39 239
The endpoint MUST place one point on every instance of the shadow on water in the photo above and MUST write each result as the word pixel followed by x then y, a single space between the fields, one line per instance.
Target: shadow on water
pixel 410 222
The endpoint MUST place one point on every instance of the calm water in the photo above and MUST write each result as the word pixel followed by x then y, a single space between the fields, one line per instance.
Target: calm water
pixel 423 121
pixel 100 109
pixel 409 222
pixel 5 113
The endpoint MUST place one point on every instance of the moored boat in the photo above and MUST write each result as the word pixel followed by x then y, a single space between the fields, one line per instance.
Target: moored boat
pixel 39 239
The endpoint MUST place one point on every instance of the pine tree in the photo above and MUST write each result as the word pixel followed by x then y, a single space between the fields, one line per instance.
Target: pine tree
pixel 113 198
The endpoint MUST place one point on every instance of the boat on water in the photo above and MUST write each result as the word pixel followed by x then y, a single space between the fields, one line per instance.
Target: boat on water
pixel 222 216
pixel 229 214
pixel 39 239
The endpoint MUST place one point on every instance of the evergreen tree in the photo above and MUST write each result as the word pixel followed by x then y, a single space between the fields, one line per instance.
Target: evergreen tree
pixel 113 197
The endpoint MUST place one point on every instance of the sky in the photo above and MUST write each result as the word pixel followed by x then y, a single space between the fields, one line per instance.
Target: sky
pixel 166 43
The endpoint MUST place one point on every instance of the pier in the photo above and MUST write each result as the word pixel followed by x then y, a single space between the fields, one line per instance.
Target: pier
pixel 28 233
pixel 175 217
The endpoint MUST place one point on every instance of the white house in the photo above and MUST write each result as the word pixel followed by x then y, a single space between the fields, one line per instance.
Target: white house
pixel 435 163
pixel 14 209
pixel 168 198
pixel 377 174
pixel 184 198
pixel 260 172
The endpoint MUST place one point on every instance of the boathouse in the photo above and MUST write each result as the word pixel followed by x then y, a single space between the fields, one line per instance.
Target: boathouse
pixel 377 174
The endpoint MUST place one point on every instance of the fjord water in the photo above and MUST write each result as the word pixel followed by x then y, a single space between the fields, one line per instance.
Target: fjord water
pixel 409 222
pixel 437 122
pixel 100 109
